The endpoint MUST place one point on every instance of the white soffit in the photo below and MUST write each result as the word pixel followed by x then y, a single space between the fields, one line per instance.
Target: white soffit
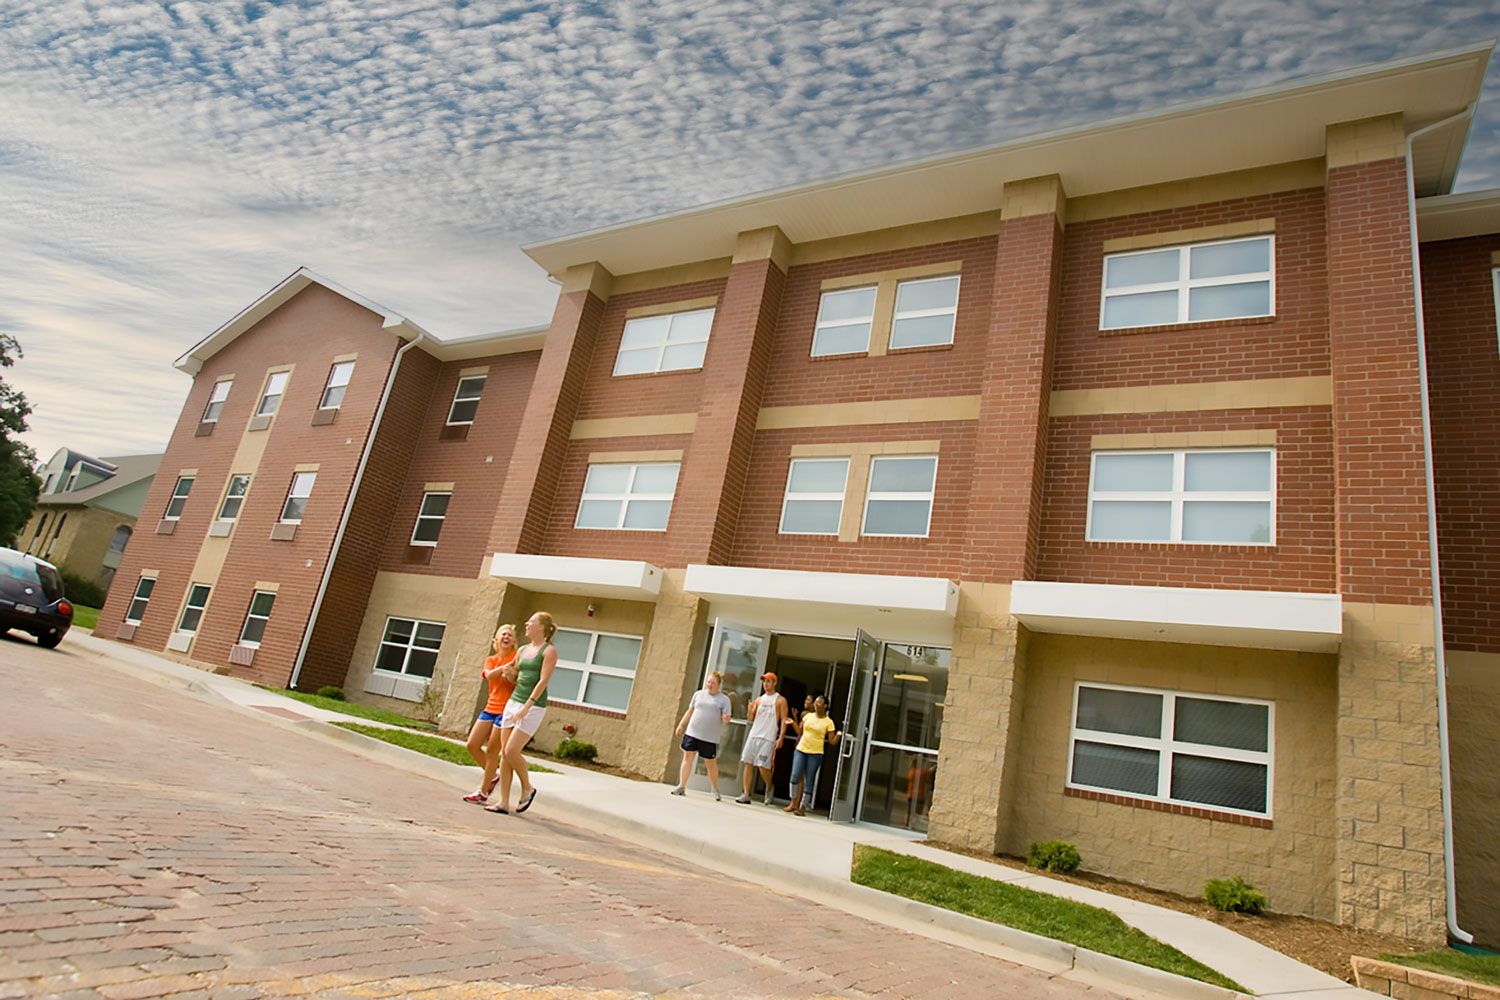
pixel 1454 216
pixel 1257 619
pixel 625 579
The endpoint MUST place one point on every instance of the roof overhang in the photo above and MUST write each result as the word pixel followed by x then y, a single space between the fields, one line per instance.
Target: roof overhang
pixel 1282 123
pixel 1454 216
pixel 487 344
pixel 1253 618
pixel 622 579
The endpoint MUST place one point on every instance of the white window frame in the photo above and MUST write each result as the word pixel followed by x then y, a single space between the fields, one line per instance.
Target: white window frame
pixel 188 606
pixel 626 497
pixel 250 615
pixel 229 495
pixel 1184 284
pixel 788 497
pixel 1495 281
pixel 1179 493
pixel 897 315
pixel 1167 747
pixel 338 378
pixel 291 494
pixel 930 496
pixel 409 646
pixel 178 498
pixel 665 341
pixel 589 668
pixel 216 398
pixel 423 516
pixel 275 389
pixel 868 321
pixel 482 380
pixel 138 598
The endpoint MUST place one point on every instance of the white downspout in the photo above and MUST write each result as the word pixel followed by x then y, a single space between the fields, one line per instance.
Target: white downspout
pixel 359 475
pixel 1432 540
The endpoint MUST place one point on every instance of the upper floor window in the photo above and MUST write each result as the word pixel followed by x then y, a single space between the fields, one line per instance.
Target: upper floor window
pixel 192 612
pixel 899 501
pixel 234 497
pixel 138 602
pixel 1187 749
pixel 338 382
pixel 257 618
pixel 667 343
pixel 466 399
pixel 628 497
pixel 594 668
pixel 409 646
pixel 72 479
pixel 1227 279
pixel 814 500
pixel 844 320
pixel 430 518
pixel 1495 280
pixel 296 497
pixel 216 397
pixel 1224 497
pixel 925 312
pixel 271 398
pixel 179 498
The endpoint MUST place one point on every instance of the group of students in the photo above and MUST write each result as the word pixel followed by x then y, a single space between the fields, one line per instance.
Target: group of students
pixel 769 719
pixel 514 711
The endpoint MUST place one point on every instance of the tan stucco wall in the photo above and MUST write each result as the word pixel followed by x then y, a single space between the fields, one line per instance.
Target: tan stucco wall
pixel 408 595
pixel 85 538
pixel 1474 750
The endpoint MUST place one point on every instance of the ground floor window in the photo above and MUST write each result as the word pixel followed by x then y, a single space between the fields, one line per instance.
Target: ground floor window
pixel 137 609
pixel 409 646
pixel 594 668
pixel 1172 747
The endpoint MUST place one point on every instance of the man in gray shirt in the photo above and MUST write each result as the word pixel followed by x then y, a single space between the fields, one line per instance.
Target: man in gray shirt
pixel 701 726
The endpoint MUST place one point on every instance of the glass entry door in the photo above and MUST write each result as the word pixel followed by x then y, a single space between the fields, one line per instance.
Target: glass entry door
pixel 738 653
pixel 906 727
pixel 851 748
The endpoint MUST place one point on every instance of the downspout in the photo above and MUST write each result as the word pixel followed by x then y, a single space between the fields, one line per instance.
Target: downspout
pixel 1454 930
pixel 359 475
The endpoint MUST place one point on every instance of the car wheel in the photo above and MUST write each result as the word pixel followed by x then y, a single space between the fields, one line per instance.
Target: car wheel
pixel 50 641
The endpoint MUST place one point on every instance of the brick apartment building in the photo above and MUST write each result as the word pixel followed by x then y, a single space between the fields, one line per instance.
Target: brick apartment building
pixel 1086 472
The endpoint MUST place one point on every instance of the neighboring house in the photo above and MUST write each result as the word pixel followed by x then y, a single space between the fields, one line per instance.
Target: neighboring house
pixel 86 513
pixel 1085 472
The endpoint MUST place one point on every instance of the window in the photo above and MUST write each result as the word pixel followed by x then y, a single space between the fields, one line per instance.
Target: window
pixel 121 538
pixel 628 497
pixel 256 618
pixel 1229 279
pixel 844 320
pixel 234 497
pixel 409 647
pixel 275 387
pixel 296 497
pixel 1495 280
pixel 179 498
pixel 57 527
pixel 899 501
pixel 814 502
pixel 142 597
pixel 338 382
pixel 430 518
pixel 1223 497
pixel 594 668
pixel 41 528
pixel 216 397
pixel 1178 748
pixel 668 343
pixel 466 399
pixel 72 479
pixel 192 612
pixel 925 312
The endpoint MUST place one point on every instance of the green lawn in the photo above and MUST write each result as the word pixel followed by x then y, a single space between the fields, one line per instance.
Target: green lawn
pixel 432 746
pixel 1450 962
pixel 359 711
pixel 84 618
pixel 1024 909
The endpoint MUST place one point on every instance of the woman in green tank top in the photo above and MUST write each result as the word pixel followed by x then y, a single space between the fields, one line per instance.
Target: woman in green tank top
pixel 526 709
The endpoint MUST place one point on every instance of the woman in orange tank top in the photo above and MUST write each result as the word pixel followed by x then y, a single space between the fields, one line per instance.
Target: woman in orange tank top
pixel 485 738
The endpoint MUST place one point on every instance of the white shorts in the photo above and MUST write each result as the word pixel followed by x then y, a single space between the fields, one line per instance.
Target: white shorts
pixel 758 752
pixel 530 724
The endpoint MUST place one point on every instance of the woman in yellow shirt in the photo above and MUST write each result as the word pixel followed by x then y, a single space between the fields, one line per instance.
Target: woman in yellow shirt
pixel 816 731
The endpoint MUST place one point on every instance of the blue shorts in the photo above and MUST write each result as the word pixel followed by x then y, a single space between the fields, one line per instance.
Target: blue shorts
pixel 703 748
pixel 494 717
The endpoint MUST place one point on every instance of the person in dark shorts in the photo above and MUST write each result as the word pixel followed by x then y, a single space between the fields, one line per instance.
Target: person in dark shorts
pixel 701 726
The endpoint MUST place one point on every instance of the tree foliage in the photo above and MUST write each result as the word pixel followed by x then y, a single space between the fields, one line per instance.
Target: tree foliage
pixel 19 486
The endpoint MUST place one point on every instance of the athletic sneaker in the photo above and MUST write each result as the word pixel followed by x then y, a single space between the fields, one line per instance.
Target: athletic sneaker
pixel 744 799
pixel 679 790
pixel 478 798
pixel 768 799
pixel 717 797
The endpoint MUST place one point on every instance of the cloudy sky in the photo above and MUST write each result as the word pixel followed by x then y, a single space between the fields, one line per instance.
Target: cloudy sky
pixel 162 164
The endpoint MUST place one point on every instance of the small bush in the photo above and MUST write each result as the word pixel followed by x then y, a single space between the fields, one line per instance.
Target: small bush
pixel 80 590
pixel 329 691
pixel 1053 856
pixel 571 749
pixel 1233 895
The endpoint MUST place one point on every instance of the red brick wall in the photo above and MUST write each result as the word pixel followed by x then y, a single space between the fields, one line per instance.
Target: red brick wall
pixel 563 539
pixel 1463 365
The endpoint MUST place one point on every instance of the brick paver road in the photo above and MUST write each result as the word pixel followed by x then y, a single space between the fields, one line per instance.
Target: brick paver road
pixel 156 844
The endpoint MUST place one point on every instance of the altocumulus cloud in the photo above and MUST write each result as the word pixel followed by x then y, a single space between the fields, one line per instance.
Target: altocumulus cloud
pixel 162 164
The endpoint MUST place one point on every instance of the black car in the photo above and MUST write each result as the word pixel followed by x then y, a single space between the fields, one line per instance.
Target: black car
pixel 31 598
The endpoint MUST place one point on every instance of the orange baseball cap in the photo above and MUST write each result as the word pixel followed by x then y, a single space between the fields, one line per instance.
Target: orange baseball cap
pixel 770 675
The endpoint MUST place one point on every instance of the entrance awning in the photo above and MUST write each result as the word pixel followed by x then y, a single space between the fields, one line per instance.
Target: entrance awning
pixel 624 579
pixel 1258 619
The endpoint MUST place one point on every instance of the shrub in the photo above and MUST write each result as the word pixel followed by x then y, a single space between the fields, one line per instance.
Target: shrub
pixel 329 691
pixel 1233 895
pixel 1053 856
pixel 571 749
pixel 81 590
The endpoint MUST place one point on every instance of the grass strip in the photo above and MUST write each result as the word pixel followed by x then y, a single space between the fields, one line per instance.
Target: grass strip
pixel 1024 909
pixel 432 746
pixel 85 618
pixel 359 711
pixel 1451 962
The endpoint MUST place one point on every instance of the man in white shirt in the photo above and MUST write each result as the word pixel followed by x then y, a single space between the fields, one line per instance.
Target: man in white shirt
pixel 767 718
pixel 701 726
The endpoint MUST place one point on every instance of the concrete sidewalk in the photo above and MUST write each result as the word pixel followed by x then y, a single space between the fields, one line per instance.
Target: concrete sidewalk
pixel 813 856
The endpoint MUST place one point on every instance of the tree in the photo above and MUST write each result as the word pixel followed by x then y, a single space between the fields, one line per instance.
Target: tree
pixel 19 486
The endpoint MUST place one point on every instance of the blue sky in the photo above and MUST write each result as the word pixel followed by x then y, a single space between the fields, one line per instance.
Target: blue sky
pixel 163 164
